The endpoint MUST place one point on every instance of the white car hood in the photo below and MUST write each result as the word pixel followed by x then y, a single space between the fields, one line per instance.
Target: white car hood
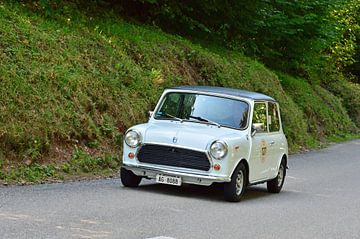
pixel 185 134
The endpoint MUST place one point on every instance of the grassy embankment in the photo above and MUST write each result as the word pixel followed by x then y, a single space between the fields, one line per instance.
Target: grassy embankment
pixel 72 84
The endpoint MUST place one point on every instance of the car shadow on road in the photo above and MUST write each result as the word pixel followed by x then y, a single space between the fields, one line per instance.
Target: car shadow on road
pixel 211 193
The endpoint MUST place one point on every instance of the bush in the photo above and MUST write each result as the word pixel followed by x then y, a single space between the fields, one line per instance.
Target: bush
pixel 350 95
pixel 325 114
pixel 82 161
pixel 34 173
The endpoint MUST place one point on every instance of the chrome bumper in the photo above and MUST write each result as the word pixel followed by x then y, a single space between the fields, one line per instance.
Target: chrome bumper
pixel 191 178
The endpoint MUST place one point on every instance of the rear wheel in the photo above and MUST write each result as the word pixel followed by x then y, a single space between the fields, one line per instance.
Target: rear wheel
pixel 234 190
pixel 275 185
pixel 129 179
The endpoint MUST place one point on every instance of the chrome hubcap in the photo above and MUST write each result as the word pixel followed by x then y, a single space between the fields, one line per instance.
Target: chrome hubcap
pixel 239 183
pixel 280 176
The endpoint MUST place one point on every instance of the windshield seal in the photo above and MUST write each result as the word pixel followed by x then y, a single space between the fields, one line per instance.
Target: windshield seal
pixel 199 121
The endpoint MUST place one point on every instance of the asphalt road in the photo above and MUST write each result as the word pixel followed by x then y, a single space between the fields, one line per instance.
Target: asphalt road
pixel 320 199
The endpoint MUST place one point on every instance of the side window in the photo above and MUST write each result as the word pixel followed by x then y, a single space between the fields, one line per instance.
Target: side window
pixel 274 122
pixel 259 117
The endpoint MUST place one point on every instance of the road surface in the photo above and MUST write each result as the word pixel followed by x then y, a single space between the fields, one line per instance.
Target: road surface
pixel 320 199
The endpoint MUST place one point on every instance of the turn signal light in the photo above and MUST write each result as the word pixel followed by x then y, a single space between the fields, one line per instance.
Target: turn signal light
pixel 131 155
pixel 217 167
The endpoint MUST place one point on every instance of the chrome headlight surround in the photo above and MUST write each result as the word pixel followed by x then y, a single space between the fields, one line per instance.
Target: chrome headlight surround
pixel 218 149
pixel 132 138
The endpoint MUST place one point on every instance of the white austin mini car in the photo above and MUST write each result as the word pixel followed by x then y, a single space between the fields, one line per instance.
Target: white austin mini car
pixel 204 135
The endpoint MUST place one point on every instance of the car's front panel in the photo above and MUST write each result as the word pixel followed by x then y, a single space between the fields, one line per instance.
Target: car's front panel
pixel 192 161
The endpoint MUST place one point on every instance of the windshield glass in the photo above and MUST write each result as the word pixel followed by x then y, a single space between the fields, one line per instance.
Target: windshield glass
pixel 204 108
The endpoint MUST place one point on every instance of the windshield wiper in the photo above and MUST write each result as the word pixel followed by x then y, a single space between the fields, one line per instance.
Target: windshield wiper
pixel 205 120
pixel 171 116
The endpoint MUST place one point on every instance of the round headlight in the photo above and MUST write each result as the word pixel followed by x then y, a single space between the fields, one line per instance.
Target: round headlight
pixel 132 138
pixel 218 149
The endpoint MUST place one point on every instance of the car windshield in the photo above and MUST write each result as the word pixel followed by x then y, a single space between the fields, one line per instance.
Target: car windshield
pixel 204 109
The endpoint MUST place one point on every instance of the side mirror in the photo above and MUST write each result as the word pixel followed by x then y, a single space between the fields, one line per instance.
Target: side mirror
pixel 253 130
pixel 151 113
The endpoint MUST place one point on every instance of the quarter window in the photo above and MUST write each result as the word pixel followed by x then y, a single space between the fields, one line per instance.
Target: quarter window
pixel 259 117
pixel 274 122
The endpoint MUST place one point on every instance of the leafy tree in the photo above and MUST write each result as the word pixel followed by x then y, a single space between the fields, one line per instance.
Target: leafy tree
pixel 286 35
pixel 345 52
pixel 299 37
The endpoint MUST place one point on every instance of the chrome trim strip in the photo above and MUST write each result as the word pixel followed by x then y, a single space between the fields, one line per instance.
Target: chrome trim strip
pixel 174 146
pixel 177 173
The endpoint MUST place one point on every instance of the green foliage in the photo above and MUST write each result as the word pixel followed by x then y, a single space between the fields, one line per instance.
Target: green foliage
pixel 287 35
pixel 350 95
pixel 2 175
pixel 324 113
pixel 354 68
pixel 47 91
pixel 343 53
pixel 82 82
pixel 304 38
pixel 81 164
pixel 46 7
pixel 84 162
pixel 35 173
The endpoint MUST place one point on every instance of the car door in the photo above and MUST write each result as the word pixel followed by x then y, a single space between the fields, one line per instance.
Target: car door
pixel 275 138
pixel 259 156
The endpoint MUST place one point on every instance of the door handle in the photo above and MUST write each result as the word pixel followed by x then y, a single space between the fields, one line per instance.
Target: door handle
pixel 272 143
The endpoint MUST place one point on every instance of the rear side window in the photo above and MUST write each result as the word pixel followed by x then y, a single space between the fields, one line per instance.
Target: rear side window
pixel 259 117
pixel 274 121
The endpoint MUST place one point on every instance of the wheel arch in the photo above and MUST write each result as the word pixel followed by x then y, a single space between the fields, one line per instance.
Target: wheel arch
pixel 285 157
pixel 246 164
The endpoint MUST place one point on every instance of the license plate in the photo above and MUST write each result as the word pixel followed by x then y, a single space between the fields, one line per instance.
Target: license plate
pixel 168 180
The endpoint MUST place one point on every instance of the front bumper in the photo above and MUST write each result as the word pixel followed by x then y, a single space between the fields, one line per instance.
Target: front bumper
pixel 191 178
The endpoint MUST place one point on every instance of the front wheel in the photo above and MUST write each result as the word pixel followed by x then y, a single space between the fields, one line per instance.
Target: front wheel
pixel 234 189
pixel 129 179
pixel 275 185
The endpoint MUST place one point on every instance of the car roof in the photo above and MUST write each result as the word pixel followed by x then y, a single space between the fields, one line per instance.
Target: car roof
pixel 226 91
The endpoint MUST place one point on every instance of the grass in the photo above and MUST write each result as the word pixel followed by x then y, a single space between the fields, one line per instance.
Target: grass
pixel 81 165
pixel 349 93
pixel 325 115
pixel 75 81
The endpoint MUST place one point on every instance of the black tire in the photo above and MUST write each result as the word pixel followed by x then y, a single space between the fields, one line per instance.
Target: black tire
pixel 232 190
pixel 275 185
pixel 129 179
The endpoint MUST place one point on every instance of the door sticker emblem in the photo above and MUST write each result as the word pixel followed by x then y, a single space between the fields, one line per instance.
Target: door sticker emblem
pixel 175 140
pixel 263 150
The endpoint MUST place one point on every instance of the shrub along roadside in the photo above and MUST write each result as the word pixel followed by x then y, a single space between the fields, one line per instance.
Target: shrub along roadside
pixel 350 96
pixel 325 115
pixel 81 165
